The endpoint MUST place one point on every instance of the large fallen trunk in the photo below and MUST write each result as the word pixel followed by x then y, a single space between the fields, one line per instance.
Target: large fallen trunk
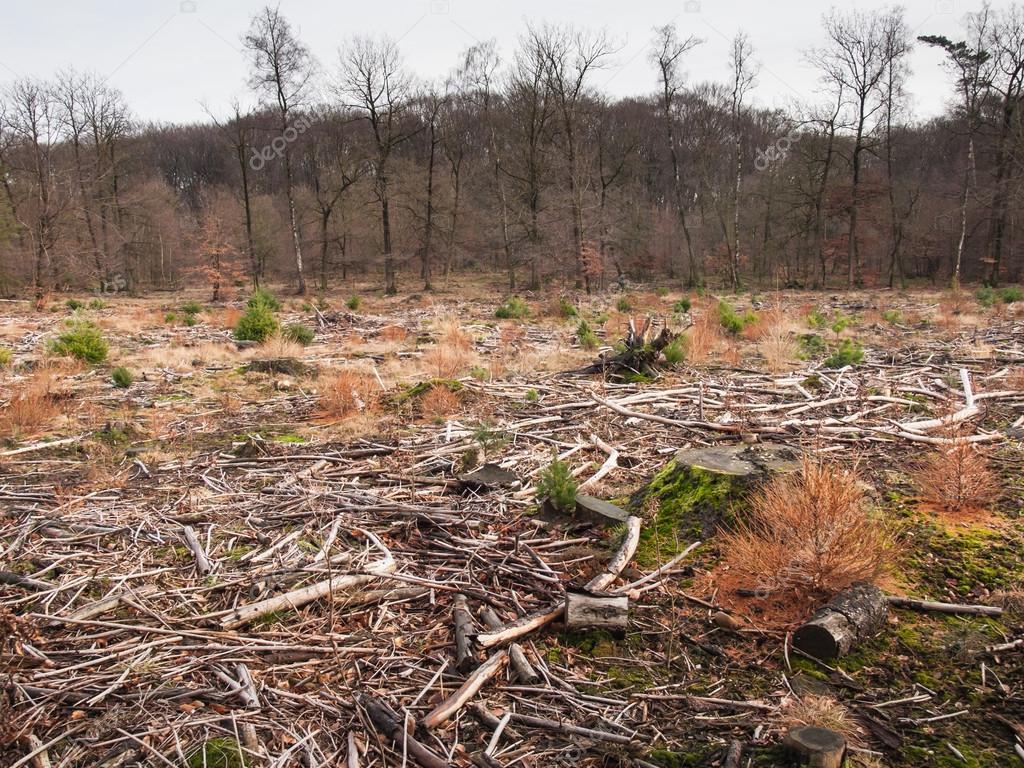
pixel 851 616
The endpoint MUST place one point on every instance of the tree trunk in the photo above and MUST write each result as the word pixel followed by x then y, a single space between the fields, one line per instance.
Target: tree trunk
pixel 293 220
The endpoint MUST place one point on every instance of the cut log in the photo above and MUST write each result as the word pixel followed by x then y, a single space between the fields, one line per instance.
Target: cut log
pixel 203 565
pixel 816 747
pixel 590 611
pixel 851 616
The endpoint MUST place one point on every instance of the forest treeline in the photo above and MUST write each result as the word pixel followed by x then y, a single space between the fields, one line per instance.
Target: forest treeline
pixel 356 168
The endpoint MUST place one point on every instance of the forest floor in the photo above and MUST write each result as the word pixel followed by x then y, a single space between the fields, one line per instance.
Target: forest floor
pixel 140 524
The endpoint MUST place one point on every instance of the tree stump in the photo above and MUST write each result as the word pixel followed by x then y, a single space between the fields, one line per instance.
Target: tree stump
pixel 816 747
pixel 610 613
pixel 697 492
pixel 851 616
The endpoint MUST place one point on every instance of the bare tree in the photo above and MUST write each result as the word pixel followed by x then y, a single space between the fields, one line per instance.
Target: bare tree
pixel 743 75
pixel 855 63
pixel 667 53
pixel 374 83
pixel 282 69
pixel 32 117
pixel 570 56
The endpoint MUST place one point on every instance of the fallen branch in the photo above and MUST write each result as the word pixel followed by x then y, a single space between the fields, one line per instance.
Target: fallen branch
pixel 621 558
pixel 954 608
pixel 444 711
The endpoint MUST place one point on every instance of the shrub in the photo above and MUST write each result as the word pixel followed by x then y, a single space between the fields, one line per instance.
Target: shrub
pixel 191 308
pixel 354 302
pixel 812 346
pixel 586 336
pixel 479 373
pixel 261 297
pixel 190 320
pixel 675 352
pixel 83 341
pixel 257 324
pixel 298 333
pixel 815 319
pixel 566 308
pixel 728 318
pixel 97 304
pixel 514 308
pixel 1011 294
pixel 350 392
pixel 532 396
pixel 682 306
pixel 5 357
pixel 892 316
pixel 957 478
pixel 170 318
pixel 808 533
pixel 623 304
pixel 840 323
pixel 986 296
pixel 74 305
pixel 847 352
pixel 121 377
pixel 556 484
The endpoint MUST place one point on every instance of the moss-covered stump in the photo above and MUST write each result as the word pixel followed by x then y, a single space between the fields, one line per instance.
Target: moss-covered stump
pixel 699 491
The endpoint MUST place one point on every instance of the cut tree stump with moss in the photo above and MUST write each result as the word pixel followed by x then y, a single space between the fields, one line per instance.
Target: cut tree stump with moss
pixel 851 616
pixel 698 491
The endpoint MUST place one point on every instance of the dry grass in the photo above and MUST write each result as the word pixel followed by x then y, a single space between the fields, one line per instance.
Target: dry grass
pixel 350 392
pixel 183 358
pixel 777 344
pixel 226 318
pixel 704 336
pixel 32 406
pixel 438 403
pixel 445 361
pixel 452 335
pixel 279 347
pixel 822 712
pixel 808 534
pixel 394 334
pixel 957 479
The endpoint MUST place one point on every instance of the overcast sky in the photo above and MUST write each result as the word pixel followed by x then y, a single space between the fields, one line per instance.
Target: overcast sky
pixel 170 57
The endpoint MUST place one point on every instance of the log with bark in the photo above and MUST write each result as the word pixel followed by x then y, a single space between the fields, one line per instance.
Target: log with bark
pixel 851 616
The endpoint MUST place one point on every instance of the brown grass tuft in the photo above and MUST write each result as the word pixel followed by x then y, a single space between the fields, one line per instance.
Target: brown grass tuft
pixel 350 392
pixel 394 333
pixel 957 478
pixel 445 361
pixel 31 407
pixel 822 712
pixel 452 335
pixel 808 535
pixel 438 402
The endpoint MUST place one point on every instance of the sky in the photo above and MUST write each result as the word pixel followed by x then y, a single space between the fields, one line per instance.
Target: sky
pixel 176 59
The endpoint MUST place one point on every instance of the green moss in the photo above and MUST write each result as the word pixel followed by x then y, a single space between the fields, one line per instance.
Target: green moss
pixel 418 390
pixel 218 753
pixel 592 642
pixel 690 503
